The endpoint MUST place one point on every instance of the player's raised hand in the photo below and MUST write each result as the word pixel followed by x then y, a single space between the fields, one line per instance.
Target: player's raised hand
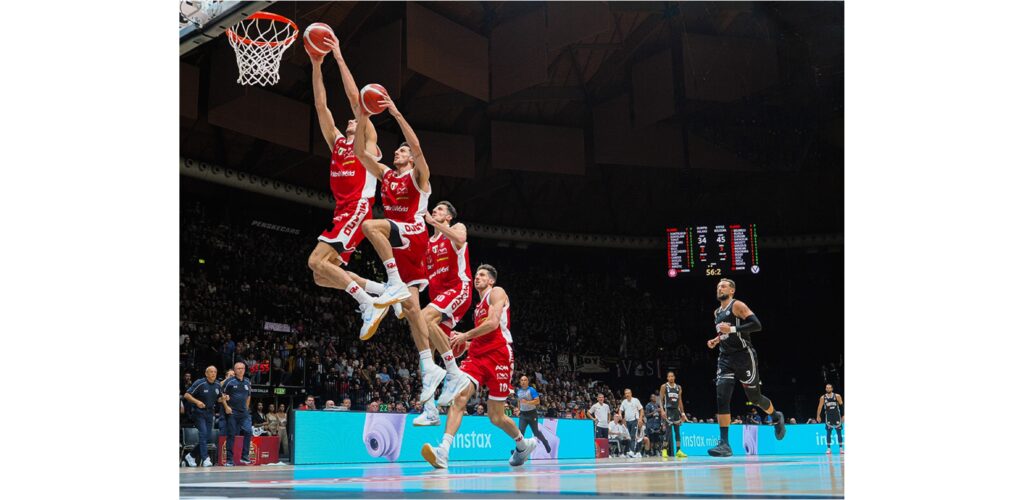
pixel 386 101
pixel 316 58
pixel 332 44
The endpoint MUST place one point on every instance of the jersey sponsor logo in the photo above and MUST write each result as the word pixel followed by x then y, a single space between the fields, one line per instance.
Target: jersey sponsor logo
pixel 396 208
pixel 343 173
pixel 414 228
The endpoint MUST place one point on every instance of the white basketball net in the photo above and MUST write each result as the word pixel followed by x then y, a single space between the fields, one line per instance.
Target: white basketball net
pixel 259 44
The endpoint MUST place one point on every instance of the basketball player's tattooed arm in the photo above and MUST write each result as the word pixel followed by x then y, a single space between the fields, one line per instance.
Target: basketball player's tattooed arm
pixel 497 302
pixel 351 91
pixel 420 166
pixel 323 114
pixel 372 166
pixel 821 403
pixel 456 233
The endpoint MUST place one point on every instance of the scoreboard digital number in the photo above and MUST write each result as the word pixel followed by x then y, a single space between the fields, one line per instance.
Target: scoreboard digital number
pixel 713 250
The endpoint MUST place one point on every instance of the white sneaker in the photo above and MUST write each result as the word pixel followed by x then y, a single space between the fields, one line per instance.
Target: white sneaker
pixel 392 294
pixel 372 317
pixel 630 454
pixel 399 313
pixel 207 462
pixel 189 460
pixel 429 417
pixel 435 456
pixel 453 386
pixel 519 457
pixel 431 379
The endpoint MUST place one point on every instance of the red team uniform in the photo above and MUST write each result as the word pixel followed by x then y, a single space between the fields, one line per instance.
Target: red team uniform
pixel 449 278
pixel 404 207
pixel 353 190
pixel 490 355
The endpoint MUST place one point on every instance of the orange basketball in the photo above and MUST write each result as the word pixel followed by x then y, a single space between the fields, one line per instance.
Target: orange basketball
pixel 314 38
pixel 370 96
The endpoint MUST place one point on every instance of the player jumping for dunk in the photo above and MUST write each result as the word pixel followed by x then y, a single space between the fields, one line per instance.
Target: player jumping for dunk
pixel 353 189
pixel 734 322
pixel 490 363
pixel 401 238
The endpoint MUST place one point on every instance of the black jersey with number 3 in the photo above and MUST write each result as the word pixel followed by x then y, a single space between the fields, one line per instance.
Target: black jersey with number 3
pixel 735 342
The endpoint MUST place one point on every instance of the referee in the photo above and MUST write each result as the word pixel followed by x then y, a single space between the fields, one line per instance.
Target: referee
pixel 528 401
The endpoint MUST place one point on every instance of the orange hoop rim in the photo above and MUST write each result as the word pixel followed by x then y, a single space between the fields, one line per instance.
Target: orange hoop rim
pixel 271 17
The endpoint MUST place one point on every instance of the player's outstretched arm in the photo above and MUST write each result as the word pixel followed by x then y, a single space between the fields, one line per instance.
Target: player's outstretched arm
pixel 323 114
pixel 351 91
pixel 497 303
pixel 456 233
pixel 821 403
pixel 370 163
pixel 420 161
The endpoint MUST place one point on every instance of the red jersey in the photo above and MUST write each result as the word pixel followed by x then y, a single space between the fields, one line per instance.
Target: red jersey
pixel 402 198
pixel 350 181
pixel 447 268
pixel 496 338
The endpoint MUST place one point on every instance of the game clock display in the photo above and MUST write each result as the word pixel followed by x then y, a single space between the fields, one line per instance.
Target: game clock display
pixel 719 250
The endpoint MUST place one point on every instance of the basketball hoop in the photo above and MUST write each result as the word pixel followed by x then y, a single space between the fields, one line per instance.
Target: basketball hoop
pixel 259 42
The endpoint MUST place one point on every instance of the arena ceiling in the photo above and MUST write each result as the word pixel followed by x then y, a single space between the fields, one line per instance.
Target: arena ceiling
pixel 620 117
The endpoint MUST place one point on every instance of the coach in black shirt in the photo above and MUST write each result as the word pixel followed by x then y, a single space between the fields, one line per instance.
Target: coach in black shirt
pixel 236 410
pixel 204 394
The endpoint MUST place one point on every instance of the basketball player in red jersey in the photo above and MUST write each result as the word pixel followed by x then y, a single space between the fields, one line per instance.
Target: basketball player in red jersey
pixel 449 276
pixel 353 190
pixel 489 362
pixel 401 238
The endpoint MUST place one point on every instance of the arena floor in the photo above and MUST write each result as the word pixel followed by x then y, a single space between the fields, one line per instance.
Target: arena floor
pixel 766 476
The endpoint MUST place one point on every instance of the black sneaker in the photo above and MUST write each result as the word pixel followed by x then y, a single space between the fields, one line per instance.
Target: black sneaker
pixel 547 446
pixel 780 426
pixel 244 462
pixel 722 450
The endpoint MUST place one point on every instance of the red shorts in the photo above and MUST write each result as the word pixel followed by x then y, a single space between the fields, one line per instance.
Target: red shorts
pixel 493 369
pixel 346 231
pixel 409 244
pixel 453 304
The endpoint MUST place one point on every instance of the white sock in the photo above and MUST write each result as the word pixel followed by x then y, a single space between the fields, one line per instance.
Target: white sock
pixel 449 362
pixel 392 269
pixel 374 287
pixel 446 441
pixel 429 405
pixel 426 360
pixel 359 294
pixel 520 443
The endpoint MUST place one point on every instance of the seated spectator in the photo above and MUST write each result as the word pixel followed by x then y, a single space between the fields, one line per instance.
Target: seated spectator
pixel 346 404
pixel 329 405
pixel 617 433
pixel 480 410
pixel 310 404
pixel 272 422
pixel 792 420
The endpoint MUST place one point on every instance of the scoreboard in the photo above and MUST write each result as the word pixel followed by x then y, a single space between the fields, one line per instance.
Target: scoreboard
pixel 721 250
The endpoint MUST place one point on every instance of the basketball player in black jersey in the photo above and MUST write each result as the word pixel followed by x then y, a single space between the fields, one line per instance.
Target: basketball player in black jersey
pixel 672 413
pixel 833 405
pixel 734 322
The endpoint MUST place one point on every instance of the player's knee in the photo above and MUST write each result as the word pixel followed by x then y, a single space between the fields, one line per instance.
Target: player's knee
pixel 495 417
pixel 431 316
pixel 723 389
pixel 755 397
